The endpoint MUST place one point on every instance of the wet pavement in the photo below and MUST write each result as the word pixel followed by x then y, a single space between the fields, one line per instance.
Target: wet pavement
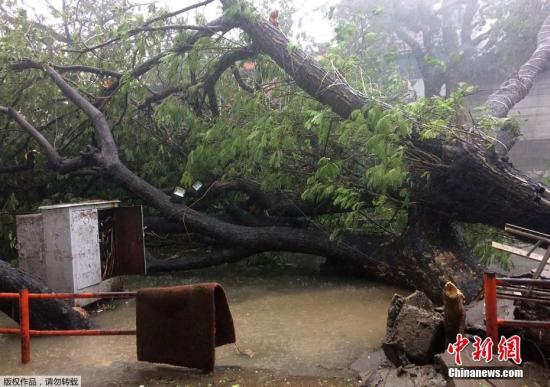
pixel 293 328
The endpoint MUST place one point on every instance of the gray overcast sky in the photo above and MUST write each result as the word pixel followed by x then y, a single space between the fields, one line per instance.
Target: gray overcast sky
pixel 309 13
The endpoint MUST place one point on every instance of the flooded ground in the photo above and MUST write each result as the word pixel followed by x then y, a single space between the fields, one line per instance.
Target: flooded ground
pixel 289 323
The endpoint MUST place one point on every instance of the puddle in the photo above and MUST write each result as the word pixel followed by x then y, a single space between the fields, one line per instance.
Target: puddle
pixel 291 324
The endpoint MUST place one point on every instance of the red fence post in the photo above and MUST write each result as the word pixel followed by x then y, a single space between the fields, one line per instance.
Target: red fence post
pixel 24 326
pixel 491 323
pixel 24 318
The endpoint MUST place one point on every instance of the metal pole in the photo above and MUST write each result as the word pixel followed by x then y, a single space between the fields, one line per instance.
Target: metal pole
pixel 541 267
pixel 491 323
pixel 9 296
pixel 24 326
pixel 52 296
pixel 539 283
pixel 524 324
pixel 83 332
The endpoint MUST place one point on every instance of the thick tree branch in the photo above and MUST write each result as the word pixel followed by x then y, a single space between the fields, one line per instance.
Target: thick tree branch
pixel 467 22
pixel 26 64
pixel 209 82
pixel 415 47
pixel 240 80
pixel 245 218
pixel 329 87
pixel 224 62
pixel 55 161
pixel 46 314
pixel 209 258
pixel 163 225
pixel 515 88
pixel 88 69
pixel 284 204
pixel 17 168
pixel 102 129
pixel 160 95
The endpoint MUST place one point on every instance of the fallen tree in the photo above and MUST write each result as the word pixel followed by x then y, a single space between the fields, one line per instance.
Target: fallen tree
pixel 467 182
pixel 45 314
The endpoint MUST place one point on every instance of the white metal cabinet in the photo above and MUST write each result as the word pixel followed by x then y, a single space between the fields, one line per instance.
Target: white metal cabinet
pixel 67 239
pixel 61 245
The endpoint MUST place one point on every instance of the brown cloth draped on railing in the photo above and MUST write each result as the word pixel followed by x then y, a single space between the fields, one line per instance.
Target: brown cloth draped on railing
pixel 182 325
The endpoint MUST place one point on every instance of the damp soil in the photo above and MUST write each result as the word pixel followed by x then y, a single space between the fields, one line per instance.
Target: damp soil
pixel 294 327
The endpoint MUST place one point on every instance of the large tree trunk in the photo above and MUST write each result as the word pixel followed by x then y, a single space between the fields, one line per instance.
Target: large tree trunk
pixel 426 257
pixel 45 314
pixel 473 185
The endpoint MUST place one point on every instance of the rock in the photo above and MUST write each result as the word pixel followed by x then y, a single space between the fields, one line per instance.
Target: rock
pixel 396 304
pixel 390 345
pixel 414 332
pixel 421 332
pixel 420 300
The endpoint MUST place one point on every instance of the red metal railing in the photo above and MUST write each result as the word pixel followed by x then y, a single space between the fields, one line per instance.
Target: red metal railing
pixel 24 318
pixel 509 287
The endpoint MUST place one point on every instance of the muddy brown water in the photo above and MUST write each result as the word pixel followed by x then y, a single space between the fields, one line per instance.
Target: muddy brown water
pixel 287 323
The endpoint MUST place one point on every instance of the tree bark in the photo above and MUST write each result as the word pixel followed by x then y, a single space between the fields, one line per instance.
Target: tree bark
pixel 515 88
pixel 455 314
pixel 45 314
pixel 328 87
pixel 425 258
pixel 472 184
pixel 211 257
